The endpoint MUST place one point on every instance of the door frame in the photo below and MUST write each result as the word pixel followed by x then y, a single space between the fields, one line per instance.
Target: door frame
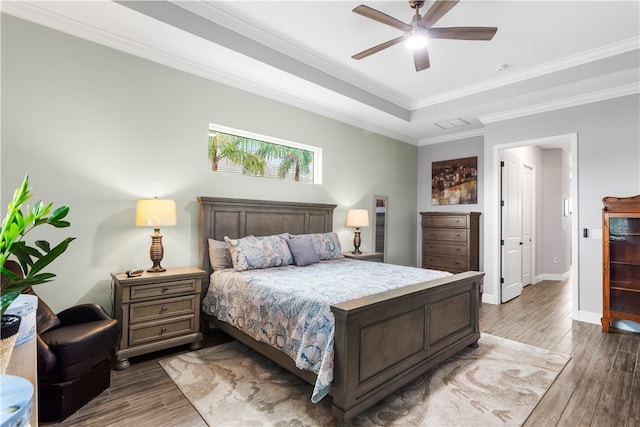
pixel 492 209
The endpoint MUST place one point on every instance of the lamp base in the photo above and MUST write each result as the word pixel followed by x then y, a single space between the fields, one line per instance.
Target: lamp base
pixel 356 242
pixel 156 252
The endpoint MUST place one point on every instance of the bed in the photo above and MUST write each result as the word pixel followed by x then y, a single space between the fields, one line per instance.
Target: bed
pixel 422 324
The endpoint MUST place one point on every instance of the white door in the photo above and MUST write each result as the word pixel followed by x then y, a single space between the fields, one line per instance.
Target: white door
pixel 526 174
pixel 511 228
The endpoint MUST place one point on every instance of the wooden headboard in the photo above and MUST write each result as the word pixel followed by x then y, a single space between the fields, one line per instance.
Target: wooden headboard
pixel 237 218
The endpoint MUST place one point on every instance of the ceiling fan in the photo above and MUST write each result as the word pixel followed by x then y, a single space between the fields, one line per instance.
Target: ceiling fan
pixel 420 30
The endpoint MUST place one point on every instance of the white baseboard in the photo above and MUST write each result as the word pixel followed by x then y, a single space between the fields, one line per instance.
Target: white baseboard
pixel 490 298
pixel 589 317
pixel 551 276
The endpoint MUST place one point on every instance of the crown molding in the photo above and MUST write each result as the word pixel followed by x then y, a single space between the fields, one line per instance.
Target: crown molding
pixel 559 104
pixel 606 51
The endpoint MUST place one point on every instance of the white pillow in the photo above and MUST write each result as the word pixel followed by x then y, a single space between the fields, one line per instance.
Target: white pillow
pixel 219 255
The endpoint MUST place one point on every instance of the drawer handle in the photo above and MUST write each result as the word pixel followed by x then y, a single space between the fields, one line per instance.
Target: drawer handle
pixel 165 289
pixel 457 234
pixel 458 249
pixel 164 308
pixel 457 220
pixel 164 330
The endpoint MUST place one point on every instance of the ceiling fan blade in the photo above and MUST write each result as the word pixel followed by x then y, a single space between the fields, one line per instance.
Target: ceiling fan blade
pixel 421 59
pixel 435 12
pixel 376 15
pixel 378 48
pixel 463 33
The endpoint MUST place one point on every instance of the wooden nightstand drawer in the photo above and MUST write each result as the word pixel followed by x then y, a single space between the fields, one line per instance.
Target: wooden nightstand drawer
pixel 158 309
pixel 163 289
pixel 447 249
pixel 445 221
pixel 142 333
pixel 446 234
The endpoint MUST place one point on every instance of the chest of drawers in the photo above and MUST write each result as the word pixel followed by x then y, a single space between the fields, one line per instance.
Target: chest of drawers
pixel 157 311
pixel 450 241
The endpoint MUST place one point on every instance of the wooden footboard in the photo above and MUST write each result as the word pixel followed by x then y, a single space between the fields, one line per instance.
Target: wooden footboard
pixel 386 340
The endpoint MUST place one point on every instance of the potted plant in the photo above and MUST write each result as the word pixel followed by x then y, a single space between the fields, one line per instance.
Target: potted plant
pixel 32 259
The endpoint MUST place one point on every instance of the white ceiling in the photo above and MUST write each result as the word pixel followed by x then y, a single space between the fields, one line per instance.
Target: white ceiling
pixel 559 53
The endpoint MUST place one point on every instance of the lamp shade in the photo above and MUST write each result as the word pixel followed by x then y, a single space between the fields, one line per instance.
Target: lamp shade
pixel 155 213
pixel 357 218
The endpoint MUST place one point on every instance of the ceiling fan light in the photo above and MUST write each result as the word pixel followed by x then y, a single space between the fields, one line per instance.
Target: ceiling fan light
pixel 416 40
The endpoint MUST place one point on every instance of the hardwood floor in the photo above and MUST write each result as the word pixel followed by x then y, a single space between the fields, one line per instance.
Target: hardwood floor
pixel 599 387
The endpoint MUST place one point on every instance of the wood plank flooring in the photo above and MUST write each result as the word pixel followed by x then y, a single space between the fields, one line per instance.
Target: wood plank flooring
pixel 600 386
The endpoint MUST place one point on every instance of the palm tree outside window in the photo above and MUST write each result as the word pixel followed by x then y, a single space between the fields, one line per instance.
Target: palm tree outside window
pixel 234 151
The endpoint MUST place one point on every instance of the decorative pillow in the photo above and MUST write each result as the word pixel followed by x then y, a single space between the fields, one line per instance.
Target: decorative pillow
pixel 252 252
pixel 219 255
pixel 303 251
pixel 327 245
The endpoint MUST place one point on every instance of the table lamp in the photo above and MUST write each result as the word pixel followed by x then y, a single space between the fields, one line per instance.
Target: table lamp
pixel 357 218
pixel 156 213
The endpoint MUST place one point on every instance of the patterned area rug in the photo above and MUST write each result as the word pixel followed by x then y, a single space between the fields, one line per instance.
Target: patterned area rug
pixel 497 384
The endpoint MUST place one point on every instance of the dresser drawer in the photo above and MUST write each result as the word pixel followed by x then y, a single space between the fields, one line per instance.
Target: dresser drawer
pixel 158 309
pixel 163 289
pixel 445 221
pixel 433 248
pixel 142 333
pixel 451 264
pixel 444 234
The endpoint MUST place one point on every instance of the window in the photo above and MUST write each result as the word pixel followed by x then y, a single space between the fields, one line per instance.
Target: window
pixel 235 151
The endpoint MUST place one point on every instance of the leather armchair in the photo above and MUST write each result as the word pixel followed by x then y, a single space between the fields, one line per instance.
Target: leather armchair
pixel 76 349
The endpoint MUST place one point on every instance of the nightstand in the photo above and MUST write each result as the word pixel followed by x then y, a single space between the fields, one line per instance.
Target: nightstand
pixel 365 256
pixel 157 311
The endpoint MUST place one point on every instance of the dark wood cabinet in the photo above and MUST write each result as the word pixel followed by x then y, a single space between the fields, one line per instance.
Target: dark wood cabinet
pixel 450 241
pixel 620 260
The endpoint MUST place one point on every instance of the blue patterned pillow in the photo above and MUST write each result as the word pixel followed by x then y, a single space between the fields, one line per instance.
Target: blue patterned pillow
pixel 249 253
pixel 303 251
pixel 327 245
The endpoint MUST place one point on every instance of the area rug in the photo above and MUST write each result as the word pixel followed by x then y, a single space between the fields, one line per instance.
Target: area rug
pixel 497 384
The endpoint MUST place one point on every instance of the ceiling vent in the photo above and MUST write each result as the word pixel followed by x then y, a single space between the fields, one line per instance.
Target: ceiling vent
pixel 450 124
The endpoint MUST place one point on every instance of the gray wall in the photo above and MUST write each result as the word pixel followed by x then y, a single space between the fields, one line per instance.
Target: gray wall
pixel 556 235
pixel 97 129
pixel 608 164
pixel 468 147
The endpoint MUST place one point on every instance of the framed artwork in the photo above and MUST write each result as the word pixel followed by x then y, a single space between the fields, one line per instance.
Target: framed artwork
pixel 454 182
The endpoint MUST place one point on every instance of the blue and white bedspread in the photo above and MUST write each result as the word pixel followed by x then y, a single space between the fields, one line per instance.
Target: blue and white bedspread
pixel 289 307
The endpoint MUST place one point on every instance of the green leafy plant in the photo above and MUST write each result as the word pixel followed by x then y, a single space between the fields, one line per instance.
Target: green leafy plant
pixel 32 259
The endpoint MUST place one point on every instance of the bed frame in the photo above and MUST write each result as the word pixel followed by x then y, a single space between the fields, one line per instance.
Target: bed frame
pixel 382 341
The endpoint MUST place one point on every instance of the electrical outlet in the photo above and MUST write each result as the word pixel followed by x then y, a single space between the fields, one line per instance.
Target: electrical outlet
pixel 596 234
